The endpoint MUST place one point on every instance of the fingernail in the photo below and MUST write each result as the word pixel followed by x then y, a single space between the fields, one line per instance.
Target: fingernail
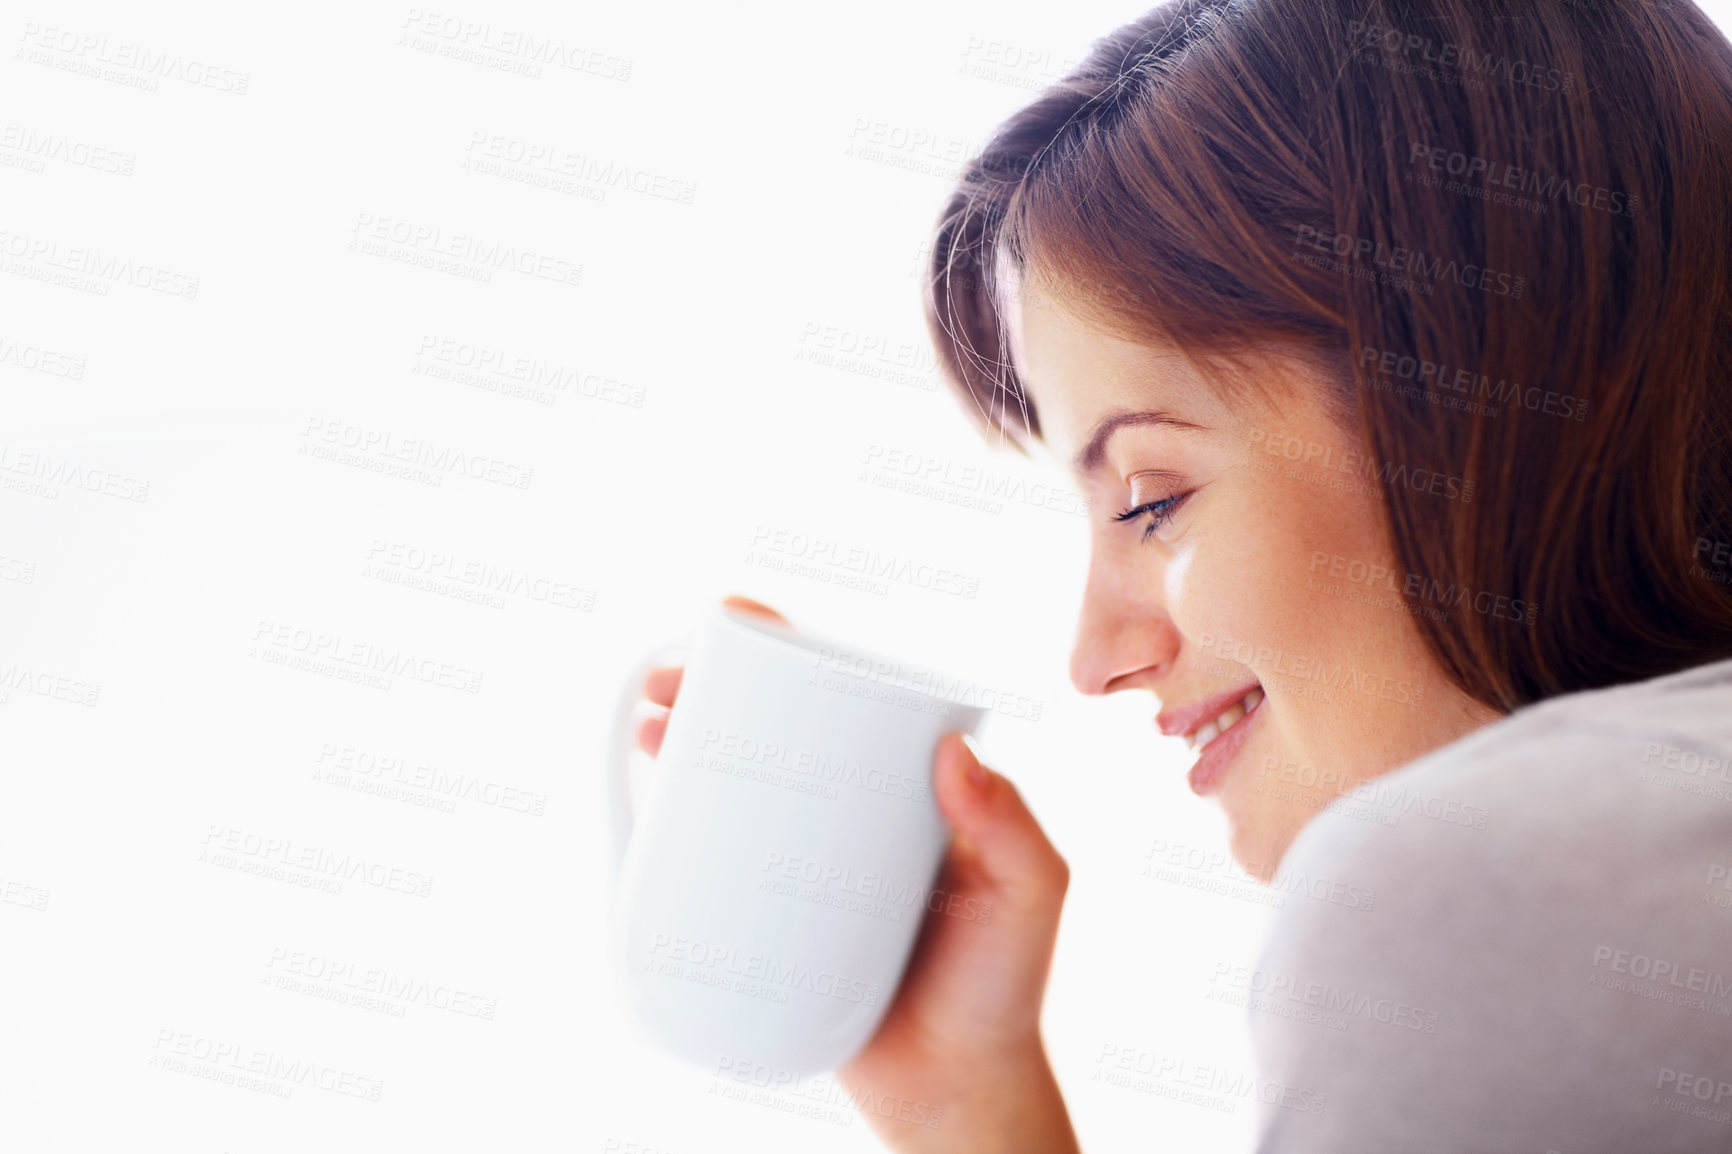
pixel 976 769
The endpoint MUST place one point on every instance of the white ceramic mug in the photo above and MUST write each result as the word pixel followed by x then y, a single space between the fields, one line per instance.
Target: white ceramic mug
pixel 769 893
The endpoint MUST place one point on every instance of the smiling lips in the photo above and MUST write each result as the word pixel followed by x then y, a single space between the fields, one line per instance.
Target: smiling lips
pixel 1202 722
pixel 1202 726
pixel 1210 730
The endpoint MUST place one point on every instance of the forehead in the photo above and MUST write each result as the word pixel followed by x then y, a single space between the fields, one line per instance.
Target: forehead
pixel 1076 374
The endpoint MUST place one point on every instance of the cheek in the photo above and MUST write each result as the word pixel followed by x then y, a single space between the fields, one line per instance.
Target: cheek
pixel 1231 585
pixel 1177 580
pixel 1246 576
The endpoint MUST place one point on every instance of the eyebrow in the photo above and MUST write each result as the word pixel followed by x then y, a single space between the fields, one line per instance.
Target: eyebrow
pixel 1093 453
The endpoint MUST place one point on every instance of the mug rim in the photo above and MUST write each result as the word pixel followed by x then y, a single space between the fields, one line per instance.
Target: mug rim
pixel 811 644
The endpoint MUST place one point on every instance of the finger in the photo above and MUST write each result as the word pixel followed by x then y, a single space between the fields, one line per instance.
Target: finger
pixel 1001 845
pixel 747 605
pixel 650 732
pixel 662 684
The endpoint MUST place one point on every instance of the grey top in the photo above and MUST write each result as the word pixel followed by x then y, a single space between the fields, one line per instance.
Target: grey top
pixel 1538 956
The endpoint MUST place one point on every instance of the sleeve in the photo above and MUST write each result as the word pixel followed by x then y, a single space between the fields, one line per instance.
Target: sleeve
pixel 1535 970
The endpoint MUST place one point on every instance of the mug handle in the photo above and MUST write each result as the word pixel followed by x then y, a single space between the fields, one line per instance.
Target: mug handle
pixel 618 783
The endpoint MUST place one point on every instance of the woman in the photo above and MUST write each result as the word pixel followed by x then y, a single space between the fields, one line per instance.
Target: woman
pixel 1391 344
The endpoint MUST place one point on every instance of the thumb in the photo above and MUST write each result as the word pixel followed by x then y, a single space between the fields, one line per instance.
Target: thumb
pixel 998 843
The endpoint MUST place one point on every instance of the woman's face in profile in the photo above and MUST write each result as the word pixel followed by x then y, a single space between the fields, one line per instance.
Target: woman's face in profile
pixel 1256 596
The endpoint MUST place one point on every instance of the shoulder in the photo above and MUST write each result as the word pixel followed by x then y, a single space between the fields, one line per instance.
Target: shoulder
pixel 1550 893
pixel 1651 760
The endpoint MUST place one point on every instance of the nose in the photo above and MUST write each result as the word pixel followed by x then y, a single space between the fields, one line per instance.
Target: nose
pixel 1122 627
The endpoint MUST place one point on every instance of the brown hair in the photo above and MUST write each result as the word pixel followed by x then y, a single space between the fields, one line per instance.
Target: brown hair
pixel 1219 176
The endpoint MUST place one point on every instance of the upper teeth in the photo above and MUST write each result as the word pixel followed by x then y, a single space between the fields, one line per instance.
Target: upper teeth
pixel 1213 729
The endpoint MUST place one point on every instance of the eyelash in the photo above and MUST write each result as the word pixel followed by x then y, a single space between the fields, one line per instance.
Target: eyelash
pixel 1158 511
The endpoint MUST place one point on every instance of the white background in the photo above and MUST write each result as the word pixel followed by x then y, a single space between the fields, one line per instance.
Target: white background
pixel 743 340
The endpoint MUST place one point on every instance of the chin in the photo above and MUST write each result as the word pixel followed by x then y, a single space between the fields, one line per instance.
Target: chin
pixel 1245 851
pixel 1256 845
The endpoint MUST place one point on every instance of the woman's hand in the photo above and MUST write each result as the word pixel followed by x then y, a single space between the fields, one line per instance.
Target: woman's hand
pixel 958 1063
